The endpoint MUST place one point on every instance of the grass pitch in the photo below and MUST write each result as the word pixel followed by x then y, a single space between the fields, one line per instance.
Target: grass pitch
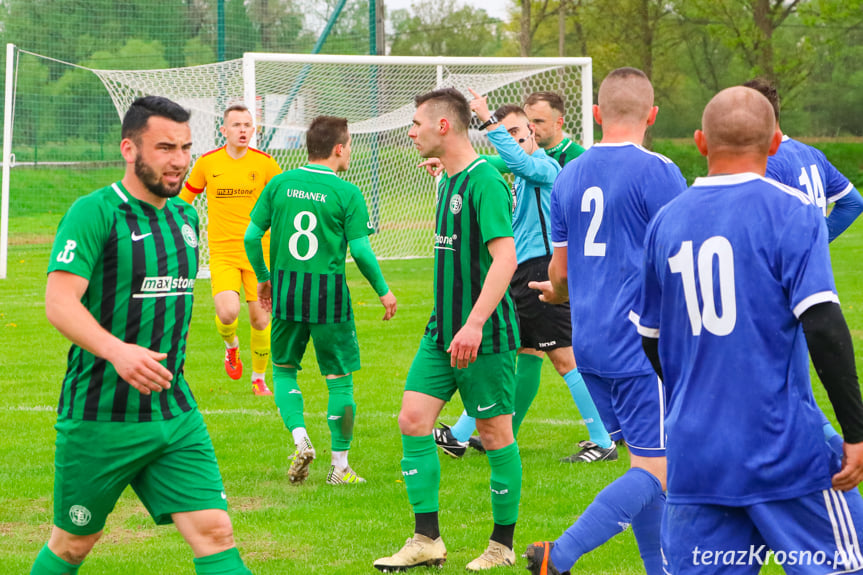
pixel 314 528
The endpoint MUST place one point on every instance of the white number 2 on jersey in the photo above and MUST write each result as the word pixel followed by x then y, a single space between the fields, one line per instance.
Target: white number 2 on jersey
pixel 814 187
pixel 306 232
pixel 716 249
pixel 593 196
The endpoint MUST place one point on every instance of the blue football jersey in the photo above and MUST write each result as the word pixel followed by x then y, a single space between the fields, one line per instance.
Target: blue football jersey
pixel 806 168
pixel 730 266
pixel 600 205
pixel 534 177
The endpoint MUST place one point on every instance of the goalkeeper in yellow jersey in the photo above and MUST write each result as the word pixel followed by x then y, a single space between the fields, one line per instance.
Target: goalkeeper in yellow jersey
pixel 234 176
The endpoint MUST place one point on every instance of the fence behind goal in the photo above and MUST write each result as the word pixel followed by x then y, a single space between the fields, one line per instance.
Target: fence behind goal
pixel 375 94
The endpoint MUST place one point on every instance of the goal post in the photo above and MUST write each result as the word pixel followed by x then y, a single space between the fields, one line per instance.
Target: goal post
pixel 376 95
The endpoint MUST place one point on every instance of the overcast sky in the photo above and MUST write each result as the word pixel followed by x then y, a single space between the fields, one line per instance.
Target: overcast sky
pixel 496 8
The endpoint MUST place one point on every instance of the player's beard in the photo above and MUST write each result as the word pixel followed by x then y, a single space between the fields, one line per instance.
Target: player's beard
pixel 153 182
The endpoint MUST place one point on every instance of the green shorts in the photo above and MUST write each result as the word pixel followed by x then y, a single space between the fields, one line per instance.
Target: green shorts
pixel 336 345
pixel 170 465
pixel 487 386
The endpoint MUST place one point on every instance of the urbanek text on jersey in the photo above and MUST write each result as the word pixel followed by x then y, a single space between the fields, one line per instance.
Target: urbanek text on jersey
pixel 304 195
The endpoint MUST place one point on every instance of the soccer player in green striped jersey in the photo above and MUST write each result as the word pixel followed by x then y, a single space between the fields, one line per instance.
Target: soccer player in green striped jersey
pixel 120 283
pixel 315 216
pixel 471 339
pixel 545 111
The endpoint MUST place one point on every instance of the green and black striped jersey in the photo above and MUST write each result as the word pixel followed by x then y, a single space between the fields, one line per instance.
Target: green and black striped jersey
pixel 565 151
pixel 313 214
pixel 474 206
pixel 141 264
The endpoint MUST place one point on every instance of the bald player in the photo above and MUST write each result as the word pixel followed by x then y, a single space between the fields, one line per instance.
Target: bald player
pixel 600 207
pixel 471 339
pixel 806 168
pixel 737 283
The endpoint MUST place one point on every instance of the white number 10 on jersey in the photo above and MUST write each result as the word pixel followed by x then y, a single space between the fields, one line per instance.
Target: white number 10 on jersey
pixel 716 250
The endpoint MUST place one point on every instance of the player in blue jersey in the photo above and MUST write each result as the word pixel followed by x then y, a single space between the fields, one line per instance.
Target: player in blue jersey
pixel 806 168
pixel 600 207
pixel 737 283
pixel 545 328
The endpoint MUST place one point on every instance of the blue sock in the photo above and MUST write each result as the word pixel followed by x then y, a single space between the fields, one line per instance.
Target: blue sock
pixel 646 526
pixel 610 513
pixel 464 427
pixel 587 408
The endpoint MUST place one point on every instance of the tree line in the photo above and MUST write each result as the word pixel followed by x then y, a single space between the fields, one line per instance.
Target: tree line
pixel 690 48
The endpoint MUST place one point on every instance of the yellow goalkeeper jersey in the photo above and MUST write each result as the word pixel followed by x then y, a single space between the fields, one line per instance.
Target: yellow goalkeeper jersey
pixel 233 187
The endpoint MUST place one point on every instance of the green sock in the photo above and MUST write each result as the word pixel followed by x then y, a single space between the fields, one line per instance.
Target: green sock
pixel 505 483
pixel 49 564
pixel 289 398
pixel 341 410
pixel 527 375
pixel 421 470
pixel 227 562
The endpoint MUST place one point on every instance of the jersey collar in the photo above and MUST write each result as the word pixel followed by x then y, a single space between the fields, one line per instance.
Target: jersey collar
pixel 726 179
pixel 318 169
pixel 562 145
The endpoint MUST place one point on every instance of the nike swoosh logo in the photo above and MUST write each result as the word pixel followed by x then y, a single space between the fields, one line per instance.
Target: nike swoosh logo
pixel 481 408
pixel 217 175
pixel 136 237
pixel 295 391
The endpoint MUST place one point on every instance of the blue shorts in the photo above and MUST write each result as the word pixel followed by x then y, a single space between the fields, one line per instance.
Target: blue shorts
pixel 815 533
pixel 631 408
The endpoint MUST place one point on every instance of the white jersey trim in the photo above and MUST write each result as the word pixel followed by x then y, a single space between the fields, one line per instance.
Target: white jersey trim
pixel 742 178
pixel 470 169
pixel 562 244
pixel 814 299
pixel 633 144
pixel 325 172
pixel 650 332
pixel 119 192
pixel 836 197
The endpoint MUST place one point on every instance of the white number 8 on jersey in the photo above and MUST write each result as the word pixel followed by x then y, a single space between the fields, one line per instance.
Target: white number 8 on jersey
pixel 304 232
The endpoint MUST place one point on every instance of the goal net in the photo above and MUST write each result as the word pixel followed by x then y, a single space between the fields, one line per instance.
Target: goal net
pixel 375 94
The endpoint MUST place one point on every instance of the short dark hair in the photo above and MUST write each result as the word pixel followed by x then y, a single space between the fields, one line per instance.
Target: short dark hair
pixel 139 113
pixel 767 88
pixel 452 101
pixel 238 107
pixel 508 109
pixel 553 99
pixel 324 133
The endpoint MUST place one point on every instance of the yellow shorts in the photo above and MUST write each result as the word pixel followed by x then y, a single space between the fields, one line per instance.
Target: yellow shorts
pixel 229 272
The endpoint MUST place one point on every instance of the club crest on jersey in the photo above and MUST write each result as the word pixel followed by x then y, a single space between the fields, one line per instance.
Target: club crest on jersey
pixel 189 235
pixel 79 515
pixel 253 176
pixel 455 204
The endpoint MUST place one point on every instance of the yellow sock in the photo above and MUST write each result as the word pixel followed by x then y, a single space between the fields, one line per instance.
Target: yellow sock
pixel 260 345
pixel 228 332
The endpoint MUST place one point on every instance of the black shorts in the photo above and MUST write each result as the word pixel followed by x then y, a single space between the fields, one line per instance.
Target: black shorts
pixel 542 326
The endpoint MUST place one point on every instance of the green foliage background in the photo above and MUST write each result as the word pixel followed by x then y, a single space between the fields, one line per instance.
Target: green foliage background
pixel 813 49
